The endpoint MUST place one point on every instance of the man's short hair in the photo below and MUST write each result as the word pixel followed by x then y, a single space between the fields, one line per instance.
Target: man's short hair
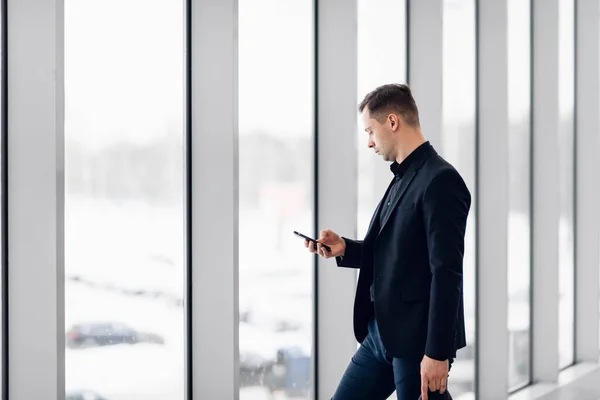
pixel 391 98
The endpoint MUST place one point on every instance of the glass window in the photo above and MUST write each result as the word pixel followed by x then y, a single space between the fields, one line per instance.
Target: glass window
pixel 376 65
pixel 566 269
pixel 381 59
pixel 124 200
pixel 458 148
pixel 276 197
pixel 519 218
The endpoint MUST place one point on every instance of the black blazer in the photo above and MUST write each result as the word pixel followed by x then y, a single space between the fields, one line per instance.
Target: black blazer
pixel 414 258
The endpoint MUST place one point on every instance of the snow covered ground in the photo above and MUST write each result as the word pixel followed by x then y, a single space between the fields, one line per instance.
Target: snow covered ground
pixel 124 263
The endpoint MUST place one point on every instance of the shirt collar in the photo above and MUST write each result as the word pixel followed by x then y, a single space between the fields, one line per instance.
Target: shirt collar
pixel 399 169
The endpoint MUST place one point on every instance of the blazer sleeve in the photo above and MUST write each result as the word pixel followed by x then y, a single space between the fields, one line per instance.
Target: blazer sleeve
pixel 352 257
pixel 446 204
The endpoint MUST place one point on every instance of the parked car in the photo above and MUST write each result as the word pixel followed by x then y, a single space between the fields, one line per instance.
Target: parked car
pixel 104 334
pixel 290 374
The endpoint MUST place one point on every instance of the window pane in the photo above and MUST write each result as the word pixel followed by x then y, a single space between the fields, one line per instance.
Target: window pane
pixel 519 222
pixel 458 147
pixel 566 177
pixel 124 202
pixel 276 119
pixel 377 65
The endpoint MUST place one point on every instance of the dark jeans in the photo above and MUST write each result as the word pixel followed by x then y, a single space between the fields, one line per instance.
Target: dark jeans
pixel 373 375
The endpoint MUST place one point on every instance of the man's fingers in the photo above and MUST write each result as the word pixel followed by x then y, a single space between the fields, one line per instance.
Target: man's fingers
pixel 320 249
pixel 432 386
pixel 443 385
pixel 424 392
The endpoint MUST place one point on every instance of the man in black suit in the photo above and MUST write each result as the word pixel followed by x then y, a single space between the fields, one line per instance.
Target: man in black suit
pixel 408 309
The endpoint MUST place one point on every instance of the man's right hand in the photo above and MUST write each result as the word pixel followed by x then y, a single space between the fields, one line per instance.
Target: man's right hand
pixel 331 239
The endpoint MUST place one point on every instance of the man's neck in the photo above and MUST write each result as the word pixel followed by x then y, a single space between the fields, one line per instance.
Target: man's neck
pixel 411 143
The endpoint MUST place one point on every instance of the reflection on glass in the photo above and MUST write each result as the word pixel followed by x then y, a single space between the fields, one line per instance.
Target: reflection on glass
pixel 519 219
pixel 124 214
pixel 566 269
pixel 458 147
pixel 276 102
pixel 381 59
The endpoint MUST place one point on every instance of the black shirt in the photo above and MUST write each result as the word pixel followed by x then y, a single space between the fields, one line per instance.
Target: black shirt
pixel 386 208
pixel 398 169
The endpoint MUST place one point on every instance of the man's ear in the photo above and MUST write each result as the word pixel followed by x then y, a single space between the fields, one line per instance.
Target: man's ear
pixel 394 122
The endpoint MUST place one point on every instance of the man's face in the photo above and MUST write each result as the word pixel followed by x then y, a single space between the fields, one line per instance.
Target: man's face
pixel 380 135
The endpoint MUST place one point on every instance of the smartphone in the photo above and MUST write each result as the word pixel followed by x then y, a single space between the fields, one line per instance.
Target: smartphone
pixel 312 240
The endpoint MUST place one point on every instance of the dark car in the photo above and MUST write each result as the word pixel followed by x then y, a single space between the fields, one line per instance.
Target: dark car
pixel 104 334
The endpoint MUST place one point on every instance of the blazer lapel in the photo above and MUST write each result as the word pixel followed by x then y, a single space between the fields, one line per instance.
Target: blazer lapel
pixel 406 180
pixel 374 224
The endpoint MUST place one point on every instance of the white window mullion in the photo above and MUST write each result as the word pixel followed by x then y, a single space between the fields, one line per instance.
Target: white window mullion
pixel 587 214
pixel 337 184
pixel 493 199
pixel 36 331
pixel 546 196
pixel 214 199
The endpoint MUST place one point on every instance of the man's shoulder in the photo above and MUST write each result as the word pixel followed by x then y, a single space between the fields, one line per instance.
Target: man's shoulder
pixel 437 172
pixel 436 166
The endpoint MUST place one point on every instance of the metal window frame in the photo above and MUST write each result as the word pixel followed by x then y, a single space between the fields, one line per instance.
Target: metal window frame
pixel 188 206
pixel 316 370
pixel 336 180
pixel 213 198
pixel 492 194
pixel 587 193
pixel 546 205
pixel 34 177
pixel 4 203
